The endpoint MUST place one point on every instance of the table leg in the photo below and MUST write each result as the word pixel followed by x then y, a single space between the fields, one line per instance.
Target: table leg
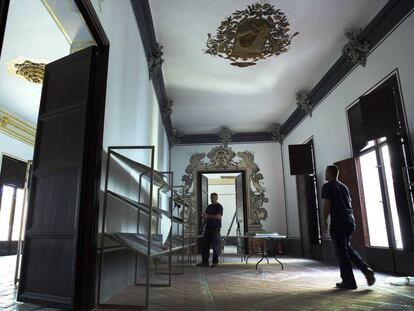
pixel 279 262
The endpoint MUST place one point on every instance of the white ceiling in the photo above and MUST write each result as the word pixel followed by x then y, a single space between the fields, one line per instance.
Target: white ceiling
pixel 208 92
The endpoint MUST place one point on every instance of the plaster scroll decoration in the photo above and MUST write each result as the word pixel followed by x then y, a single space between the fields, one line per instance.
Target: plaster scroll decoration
pixel 304 102
pixel 155 61
pixel 225 159
pixel 247 36
pixel 276 132
pixel 31 71
pixel 176 137
pixel 356 50
pixel 225 136
pixel 167 111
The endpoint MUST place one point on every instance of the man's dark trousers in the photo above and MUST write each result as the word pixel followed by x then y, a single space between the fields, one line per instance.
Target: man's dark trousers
pixel 341 236
pixel 211 239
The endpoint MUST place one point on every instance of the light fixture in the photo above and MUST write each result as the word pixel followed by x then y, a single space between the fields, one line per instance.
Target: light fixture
pixel 252 34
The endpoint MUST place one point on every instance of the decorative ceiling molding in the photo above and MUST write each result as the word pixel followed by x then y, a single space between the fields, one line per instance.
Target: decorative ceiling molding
pixel 213 139
pixel 390 16
pixel 356 50
pixel 31 71
pixel 155 61
pixel 167 111
pixel 303 102
pixel 143 18
pixel 247 36
pixel 16 128
pixel 276 132
pixel 225 135
pixel 176 137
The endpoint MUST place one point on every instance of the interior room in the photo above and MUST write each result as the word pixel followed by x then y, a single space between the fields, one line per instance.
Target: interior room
pixel 206 155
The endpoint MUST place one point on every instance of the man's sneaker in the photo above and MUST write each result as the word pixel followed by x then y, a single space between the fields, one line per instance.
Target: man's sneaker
pixel 214 264
pixel 202 264
pixel 343 285
pixel 370 276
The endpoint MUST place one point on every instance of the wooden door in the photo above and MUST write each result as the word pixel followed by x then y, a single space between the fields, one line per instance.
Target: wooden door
pixel 240 204
pixel 304 191
pixel 57 249
pixel 204 199
pixel 350 175
pixel 4 8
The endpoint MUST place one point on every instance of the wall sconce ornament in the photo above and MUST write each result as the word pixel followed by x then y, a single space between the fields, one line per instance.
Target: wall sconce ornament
pixel 356 50
pixel 225 136
pixel 32 72
pixel 167 111
pixel 276 132
pixel 304 102
pixel 155 61
pixel 252 34
pixel 176 137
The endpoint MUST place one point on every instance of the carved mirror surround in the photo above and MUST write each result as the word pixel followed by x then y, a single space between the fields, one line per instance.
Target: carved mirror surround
pixel 225 159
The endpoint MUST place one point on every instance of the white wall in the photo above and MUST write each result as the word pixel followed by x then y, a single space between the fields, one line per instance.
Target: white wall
pixel 267 156
pixel 14 148
pixel 328 124
pixel 227 198
pixel 132 117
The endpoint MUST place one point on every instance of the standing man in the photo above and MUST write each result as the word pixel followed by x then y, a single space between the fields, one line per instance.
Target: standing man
pixel 212 218
pixel 337 204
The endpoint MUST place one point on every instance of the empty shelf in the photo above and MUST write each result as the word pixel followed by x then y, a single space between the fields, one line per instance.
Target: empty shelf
pixel 143 169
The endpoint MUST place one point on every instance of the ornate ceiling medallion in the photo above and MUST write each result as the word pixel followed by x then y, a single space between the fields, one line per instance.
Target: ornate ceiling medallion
pixel 249 35
pixel 31 71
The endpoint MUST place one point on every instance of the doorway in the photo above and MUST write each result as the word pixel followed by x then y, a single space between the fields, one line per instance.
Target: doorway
pixel 231 193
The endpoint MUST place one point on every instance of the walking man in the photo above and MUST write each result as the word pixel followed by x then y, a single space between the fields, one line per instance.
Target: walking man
pixel 337 204
pixel 211 238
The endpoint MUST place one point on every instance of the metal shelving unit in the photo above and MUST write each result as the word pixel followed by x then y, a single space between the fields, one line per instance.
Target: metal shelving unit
pixel 145 242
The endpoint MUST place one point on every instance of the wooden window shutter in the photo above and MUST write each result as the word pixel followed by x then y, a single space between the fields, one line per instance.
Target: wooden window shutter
pixel 379 113
pixel 300 159
pixel 13 172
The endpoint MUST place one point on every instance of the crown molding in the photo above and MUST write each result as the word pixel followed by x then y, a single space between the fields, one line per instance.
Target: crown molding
pixel 383 24
pixel 390 16
pixel 248 137
pixel 143 18
pixel 16 128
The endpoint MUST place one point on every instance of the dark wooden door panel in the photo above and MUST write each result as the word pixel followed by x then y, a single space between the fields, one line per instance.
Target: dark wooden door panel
pixel 300 159
pixel 349 174
pixel 240 202
pixel 50 257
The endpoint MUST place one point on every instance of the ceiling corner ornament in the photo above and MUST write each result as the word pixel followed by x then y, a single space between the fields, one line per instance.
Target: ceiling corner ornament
pixel 225 135
pixel 356 50
pixel 31 71
pixel 276 132
pixel 247 36
pixel 225 159
pixel 175 139
pixel 155 61
pixel 16 128
pixel 304 103
pixel 167 110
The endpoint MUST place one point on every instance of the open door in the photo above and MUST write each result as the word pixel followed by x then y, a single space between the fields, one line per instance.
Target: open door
pixel 350 175
pixel 240 205
pixel 204 199
pixel 57 264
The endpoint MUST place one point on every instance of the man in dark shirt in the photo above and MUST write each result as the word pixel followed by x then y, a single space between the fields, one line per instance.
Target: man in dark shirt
pixel 212 218
pixel 337 204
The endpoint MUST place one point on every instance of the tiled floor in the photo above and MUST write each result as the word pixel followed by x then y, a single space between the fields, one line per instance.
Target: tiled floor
pixel 302 285
pixel 8 292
